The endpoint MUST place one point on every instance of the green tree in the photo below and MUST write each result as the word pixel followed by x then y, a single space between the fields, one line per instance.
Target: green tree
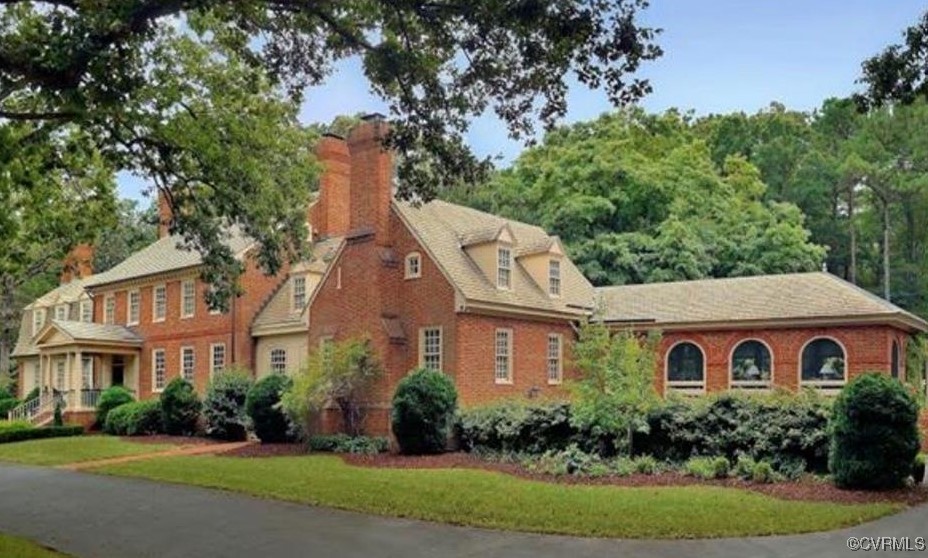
pixel 189 94
pixel 134 229
pixel 899 74
pixel 615 390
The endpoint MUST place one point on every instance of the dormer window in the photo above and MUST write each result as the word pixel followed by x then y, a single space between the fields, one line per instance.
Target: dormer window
pixel 413 266
pixel 299 292
pixel 86 311
pixel 38 320
pixel 503 268
pixel 554 277
pixel 61 312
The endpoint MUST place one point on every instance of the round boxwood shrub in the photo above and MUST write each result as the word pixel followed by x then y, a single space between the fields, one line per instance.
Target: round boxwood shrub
pixel 263 407
pixel 136 418
pixel 111 398
pixel 874 433
pixel 423 410
pixel 180 408
pixel 224 405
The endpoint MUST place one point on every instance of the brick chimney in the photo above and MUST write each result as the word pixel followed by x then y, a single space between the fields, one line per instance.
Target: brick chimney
pixel 356 185
pixel 165 215
pixel 371 177
pixel 78 264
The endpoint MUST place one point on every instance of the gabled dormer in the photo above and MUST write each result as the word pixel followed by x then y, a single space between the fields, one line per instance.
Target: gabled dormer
pixel 544 262
pixel 493 250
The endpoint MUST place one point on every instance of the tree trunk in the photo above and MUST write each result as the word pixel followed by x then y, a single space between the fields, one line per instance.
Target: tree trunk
pixel 852 272
pixel 886 289
pixel 9 325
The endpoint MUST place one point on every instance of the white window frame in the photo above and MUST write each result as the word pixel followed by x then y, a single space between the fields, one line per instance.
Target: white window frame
pixel 298 294
pixel 499 355
pixel 277 367
pixel 753 385
pixel 556 359
pixel 109 309
pixel 554 277
pixel 213 368
pixel 186 351
pixel 38 320
pixel 87 372
pixel 427 356
pixel 413 266
pixel 162 288
pixel 61 312
pixel 155 353
pixel 504 267
pixel 188 296
pixel 687 387
pixel 133 311
pixel 86 310
pixel 829 387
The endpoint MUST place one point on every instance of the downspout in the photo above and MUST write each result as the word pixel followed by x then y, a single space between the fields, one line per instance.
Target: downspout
pixel 232 332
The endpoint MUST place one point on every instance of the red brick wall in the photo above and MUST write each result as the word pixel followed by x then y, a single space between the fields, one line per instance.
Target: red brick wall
pixel 199 332
pixel 868 349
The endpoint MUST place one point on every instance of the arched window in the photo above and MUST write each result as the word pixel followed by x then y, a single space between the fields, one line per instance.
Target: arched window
pixel 824 364
pixel 895 360
pixel 686 368
pixel 751 365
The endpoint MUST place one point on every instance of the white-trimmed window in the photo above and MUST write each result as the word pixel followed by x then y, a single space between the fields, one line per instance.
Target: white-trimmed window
pixel 504 267
pixel 751 365
pixel 187 363
pixel 59 375
pixel 159 303
pixel 213 311
pixel 188 298
pixel 503 372
pixel 109 309
pixel 555 357
pixel 279 361
pixel 430 348
pixel 86 372
pixel 133 306
pixel 61 312
pixel 554 277
pixel 38 320
pixel 158 370
pixel 299 292
pixel 86 311
pixel 413 266
pixel 823 364
pixel 217 357
pixel 686 368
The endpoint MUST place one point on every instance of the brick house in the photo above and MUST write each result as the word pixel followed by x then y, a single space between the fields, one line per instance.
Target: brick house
pixel 492 302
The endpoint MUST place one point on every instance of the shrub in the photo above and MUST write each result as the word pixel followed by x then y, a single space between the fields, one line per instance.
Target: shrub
pixel 763 473
pixel 423 410
pixel 10 425
pixel 57 418
pixel 136 418
pixel 7 405
pixel 517 426
pixel 646 465
pixel 918 470
pixel 180 408
pixel 32 433
pixel 343 443
pixel 744 467
pixel 707 467
pixel 111 398
pixel 33 394
pixel 264 408
pixel 874 433
pixel 224 405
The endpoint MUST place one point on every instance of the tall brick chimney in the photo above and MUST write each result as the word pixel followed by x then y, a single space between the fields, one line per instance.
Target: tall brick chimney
pixel 356 185
pixel 78 264
pixel 371 177
pixel 165 215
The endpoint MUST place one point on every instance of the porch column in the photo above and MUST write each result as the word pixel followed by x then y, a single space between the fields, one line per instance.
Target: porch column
pixel 79 379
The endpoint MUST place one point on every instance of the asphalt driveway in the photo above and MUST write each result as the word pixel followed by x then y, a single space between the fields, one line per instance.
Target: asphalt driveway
pixel 94 516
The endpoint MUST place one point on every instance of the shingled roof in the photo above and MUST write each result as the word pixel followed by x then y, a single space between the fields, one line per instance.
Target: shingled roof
pixel 92 332
pixel 444 229
pixel 798 298
pixel 64 294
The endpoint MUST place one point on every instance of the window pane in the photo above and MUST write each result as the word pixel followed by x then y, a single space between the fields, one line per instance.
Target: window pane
pixel 503 340
pixel 751 362
pixel 504 268
pixel 157 366
pixel 299 293
pixel 278 361
pixel 554 277
pixel 823 360
pixel 554 358
pixel 187 363
pixel 219 357
pixel 431 348
pixel 685 363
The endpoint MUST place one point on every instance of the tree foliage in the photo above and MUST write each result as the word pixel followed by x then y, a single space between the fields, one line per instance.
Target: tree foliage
pixel 423 410
pixel 899 74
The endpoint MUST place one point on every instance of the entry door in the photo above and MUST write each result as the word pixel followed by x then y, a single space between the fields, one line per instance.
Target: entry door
pixel 119 370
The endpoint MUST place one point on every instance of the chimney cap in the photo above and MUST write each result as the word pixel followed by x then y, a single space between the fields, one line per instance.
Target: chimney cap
pixel 333 135
pixel 373 117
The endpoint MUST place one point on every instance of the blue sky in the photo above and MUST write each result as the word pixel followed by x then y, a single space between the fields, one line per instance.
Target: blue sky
pixel 719 56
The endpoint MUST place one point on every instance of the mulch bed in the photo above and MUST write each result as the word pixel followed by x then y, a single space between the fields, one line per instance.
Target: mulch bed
pixel 804 489
pixel 175 440
pixel 266 450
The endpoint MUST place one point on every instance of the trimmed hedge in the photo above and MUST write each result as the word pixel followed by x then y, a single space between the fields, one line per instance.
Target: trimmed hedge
pixel 518 427
pixel 423 411
pixel 138 418
pixel 263 407
pixel 343 443
pixel 875 433
pixel 180 408
pixel 111 398
pixel 224 406
pixel 20 435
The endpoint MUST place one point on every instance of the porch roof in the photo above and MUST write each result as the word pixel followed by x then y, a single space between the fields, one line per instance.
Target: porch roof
pixel 64 332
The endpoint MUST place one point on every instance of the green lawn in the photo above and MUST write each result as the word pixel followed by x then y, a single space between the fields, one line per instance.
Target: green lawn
pixel 58 451
pixel 11 547
pixel 495 500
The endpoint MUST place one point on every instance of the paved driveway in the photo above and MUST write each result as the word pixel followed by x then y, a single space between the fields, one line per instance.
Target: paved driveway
pixel 93 516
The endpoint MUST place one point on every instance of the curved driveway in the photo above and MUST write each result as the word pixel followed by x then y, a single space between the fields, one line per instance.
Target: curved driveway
pixel 93 516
